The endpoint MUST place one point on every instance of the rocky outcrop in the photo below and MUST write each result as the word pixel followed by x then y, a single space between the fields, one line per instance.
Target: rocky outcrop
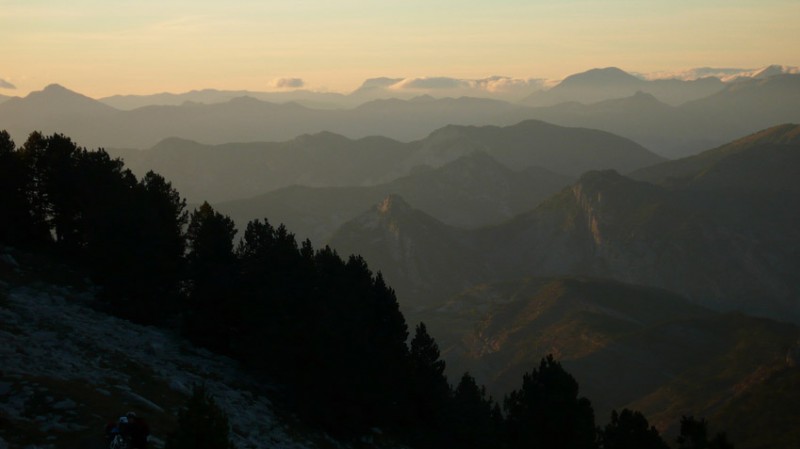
pixel 68 369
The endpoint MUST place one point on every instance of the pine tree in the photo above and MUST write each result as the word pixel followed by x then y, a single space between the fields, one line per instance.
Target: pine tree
pixel 212 306
pixel 17 226
pixel 694 435
pixel 547 411
pixel 430 391
pixel 472 421
pixel 630 430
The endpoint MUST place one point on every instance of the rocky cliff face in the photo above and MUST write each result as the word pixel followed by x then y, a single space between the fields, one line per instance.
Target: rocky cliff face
pixel 420 257
pixel 609 226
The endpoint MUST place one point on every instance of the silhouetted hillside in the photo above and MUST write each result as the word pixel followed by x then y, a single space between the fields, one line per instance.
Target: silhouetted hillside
pixel 240 170
pixel 570 151
pixel 740 108
pixel 709 241
pixel 628 346
pixel 474 190
pixel 683 171
pixel 240 119
pixel 237 170
pixel 420 256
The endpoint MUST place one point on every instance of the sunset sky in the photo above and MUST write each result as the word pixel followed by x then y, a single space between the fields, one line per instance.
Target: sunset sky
pixel 105 47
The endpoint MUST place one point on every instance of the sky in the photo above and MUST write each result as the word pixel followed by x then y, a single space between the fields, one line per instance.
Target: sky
pixel 106 47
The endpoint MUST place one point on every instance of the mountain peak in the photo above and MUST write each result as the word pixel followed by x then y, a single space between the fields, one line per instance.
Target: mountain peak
pixel 599 177
pixel 603 76
pixel 55 88
pixel 56 98
pixel 772 70
pixel 372 84
pixel 393 204
pixel 56 91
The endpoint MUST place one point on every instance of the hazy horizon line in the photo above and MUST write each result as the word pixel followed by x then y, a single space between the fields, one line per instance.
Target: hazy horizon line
pixel 428 83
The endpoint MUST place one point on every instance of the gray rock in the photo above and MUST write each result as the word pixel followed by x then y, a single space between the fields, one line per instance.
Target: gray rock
pixel 68 341
pixel 144 402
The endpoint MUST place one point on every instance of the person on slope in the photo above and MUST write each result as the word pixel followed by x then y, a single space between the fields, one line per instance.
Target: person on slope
pixel 120 427
pixel 139 431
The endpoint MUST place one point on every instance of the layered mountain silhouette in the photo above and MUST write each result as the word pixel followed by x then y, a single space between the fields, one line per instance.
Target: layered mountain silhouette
pixel 233 171
pixel 241 119
pixel 57 109
pixel 320 100
pixel 225 172
pixel 768 152
pixel 736 109
pixel 725 249
pixel 590 86
pixel 495 87
pixel 474 190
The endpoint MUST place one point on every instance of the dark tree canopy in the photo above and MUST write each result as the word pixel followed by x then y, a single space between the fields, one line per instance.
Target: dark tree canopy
pixel 211 311
pixel 547 411
pixel 18 226
pixel 210 240
pixel 475 420
pixel 86 207
pixel 630 430
pixel 694 435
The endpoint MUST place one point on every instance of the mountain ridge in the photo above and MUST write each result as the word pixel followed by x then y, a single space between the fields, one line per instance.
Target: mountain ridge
pixel 724 248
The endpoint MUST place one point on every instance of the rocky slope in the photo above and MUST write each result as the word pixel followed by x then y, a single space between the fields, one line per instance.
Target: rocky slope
pixel 68 369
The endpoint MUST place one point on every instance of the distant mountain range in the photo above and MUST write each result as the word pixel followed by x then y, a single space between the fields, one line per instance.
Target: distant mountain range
pixel 474 190
pixel 494 87
pixel 709 119
pixel 675 131
pixel 234 171
pixel 242 119
pixel 597 84
pixel 705 238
